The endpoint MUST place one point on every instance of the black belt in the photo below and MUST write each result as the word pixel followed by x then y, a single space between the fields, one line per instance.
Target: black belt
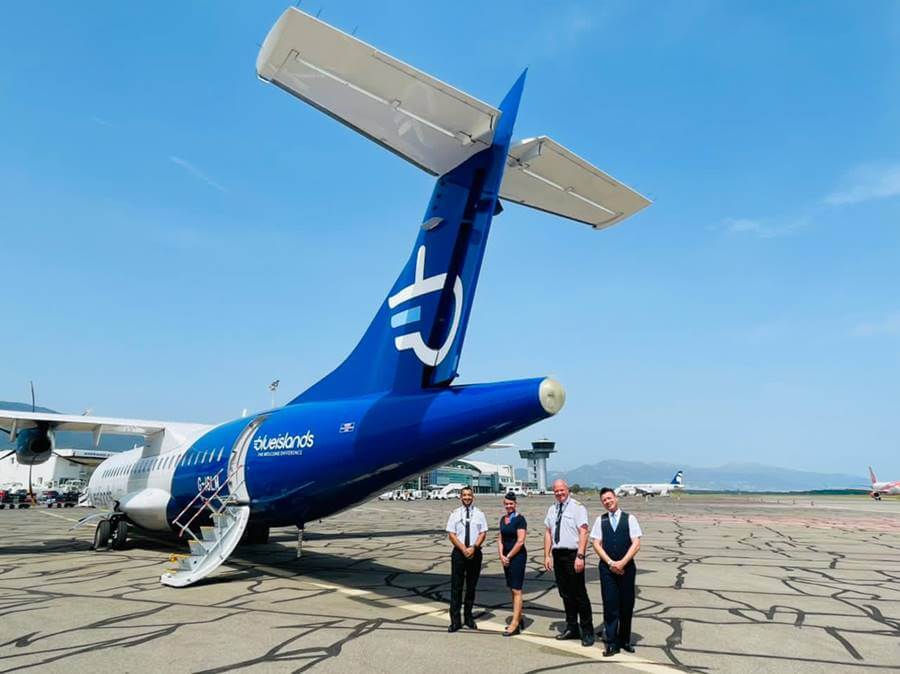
pixel 565 550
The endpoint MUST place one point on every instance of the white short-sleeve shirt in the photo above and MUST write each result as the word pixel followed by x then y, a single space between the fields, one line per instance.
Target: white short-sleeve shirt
pixel 574 516
pixel 634 529
pixel 456 524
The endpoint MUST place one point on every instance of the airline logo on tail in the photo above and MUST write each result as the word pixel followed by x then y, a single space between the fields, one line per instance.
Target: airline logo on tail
pixel 679 478
pixel 424 286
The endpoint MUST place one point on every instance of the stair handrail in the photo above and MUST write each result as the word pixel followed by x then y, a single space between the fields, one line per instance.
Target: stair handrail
pixel 206 501
pixel 193 500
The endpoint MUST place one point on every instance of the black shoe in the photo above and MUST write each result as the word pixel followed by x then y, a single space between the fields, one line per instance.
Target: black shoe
pixel 454 627
pixel 587 638
pixel 610 651
pixel 514 632
pixel 470 623
pixel 568 634
pixel 628 647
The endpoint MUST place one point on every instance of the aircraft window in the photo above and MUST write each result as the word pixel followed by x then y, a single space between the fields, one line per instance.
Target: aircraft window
pixel 219 458
pixel 203 460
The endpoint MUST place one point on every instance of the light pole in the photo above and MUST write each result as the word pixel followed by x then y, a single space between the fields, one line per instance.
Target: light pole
pixel 272 388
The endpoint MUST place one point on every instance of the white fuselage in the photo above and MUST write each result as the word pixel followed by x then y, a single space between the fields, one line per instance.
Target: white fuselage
pixel 887 488
pixel 650 489
pixel 140 482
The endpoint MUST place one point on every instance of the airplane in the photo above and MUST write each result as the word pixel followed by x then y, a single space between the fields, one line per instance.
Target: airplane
pixel 885 488
pixel 391 409
pixel 657 489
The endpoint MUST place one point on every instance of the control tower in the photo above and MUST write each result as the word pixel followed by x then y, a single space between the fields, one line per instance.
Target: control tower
pixel 537 461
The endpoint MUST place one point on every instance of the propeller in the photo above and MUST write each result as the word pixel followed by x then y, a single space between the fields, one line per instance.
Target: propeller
pixel 53 451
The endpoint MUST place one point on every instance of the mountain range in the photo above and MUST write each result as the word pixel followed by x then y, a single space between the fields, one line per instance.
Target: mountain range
pixel 730 476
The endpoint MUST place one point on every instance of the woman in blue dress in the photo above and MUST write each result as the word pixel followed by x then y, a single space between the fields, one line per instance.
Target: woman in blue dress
pixel 511 545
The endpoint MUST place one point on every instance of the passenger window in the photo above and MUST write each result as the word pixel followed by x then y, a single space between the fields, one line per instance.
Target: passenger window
pixel 219 458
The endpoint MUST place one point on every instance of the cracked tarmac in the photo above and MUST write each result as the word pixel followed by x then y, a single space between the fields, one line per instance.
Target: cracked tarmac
pixel 725 584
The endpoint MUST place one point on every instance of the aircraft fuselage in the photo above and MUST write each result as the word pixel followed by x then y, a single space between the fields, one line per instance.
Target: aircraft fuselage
pixel 309 460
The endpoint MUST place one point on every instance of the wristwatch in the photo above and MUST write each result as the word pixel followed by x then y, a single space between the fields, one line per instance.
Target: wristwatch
pixel 580 556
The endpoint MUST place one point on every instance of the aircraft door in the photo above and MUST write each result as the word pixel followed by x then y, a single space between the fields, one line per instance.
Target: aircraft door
pixel 237 462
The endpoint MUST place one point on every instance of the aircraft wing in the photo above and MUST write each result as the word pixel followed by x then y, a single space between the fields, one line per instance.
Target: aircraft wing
pixel 163 434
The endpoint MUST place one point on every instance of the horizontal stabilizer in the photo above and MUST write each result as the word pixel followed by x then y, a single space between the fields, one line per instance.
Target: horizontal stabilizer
pixel 544 175
pixel 425 121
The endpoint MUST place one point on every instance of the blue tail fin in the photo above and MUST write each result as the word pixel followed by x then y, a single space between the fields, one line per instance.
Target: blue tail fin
pixel 678 479
pixel 415 340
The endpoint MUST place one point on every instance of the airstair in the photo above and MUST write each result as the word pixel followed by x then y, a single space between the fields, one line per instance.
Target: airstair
pixel 229 513
pixel 229 516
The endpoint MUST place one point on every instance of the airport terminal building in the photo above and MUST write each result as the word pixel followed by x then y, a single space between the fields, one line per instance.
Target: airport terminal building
pixel 483 477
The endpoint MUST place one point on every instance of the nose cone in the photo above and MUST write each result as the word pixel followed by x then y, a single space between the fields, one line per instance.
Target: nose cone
pixel 552 396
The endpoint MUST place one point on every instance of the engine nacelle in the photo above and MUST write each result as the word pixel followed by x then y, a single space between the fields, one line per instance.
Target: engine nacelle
pixel 34 445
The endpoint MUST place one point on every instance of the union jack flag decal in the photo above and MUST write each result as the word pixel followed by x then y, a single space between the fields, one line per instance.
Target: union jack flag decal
pixel 347 427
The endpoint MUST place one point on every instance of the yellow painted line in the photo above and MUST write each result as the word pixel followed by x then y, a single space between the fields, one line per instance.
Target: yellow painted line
pixel 427 609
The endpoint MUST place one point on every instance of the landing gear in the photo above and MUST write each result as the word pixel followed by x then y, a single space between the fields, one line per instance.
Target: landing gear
pixel 119 534
pixel 102 534
pixel 111 534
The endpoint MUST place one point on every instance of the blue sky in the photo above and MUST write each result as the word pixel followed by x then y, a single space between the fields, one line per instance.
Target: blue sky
pixel 177 234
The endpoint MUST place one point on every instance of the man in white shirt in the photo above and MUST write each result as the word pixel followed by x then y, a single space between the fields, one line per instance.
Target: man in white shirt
pixel 565 542
pixel 616 537
pixel 466 529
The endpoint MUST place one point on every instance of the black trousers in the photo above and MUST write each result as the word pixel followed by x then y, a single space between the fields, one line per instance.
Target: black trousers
pixel 572 590
pixel 618 604
pixel 463 571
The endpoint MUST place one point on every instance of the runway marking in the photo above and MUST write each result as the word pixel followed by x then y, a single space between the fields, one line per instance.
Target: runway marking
pixel 435 610
pixel 67 519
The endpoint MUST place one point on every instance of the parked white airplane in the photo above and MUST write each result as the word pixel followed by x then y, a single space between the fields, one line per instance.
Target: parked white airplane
pixel 652 489
pixel 886 488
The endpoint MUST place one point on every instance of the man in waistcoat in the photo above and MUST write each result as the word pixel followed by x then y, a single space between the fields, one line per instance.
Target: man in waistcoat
pixel 616 537
pixel 466 529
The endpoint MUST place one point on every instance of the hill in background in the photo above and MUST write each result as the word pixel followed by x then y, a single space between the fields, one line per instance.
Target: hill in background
pixel 730 476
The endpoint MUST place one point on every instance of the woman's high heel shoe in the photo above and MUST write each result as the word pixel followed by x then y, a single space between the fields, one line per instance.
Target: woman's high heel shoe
pixel 512 633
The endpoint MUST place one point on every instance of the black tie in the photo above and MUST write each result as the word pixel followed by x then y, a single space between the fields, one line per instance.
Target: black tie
pixel 467 528
pixel 559 511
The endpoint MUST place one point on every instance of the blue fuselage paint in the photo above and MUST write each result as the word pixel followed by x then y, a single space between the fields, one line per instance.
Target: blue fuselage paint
pixel 310 460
